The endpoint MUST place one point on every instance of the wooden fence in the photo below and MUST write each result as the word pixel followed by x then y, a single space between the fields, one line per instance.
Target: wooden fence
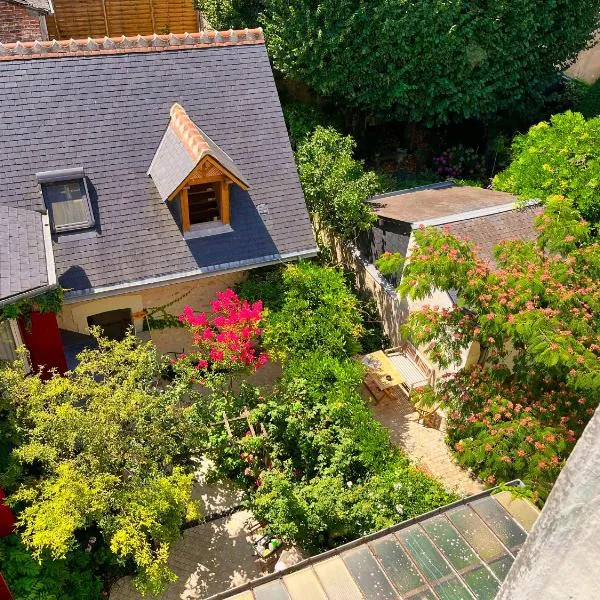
pixel 80 19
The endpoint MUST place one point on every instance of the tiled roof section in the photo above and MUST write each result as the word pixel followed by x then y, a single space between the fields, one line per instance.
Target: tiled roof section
pixel 437 200
pixel 125 45
pixel 42 6
pixel 183 146
pixel 107 114
pixel 488 231
pixel 463 550
pixel 23 265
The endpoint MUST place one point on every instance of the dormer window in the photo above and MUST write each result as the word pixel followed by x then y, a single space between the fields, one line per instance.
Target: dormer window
pixel 195 173
pixel 67 199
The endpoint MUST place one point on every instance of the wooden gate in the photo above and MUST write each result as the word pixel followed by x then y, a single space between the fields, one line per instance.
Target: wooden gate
pixel 80 19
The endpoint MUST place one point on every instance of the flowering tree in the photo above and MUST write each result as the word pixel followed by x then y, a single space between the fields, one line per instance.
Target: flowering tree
pixel 225 340
pixel 536 316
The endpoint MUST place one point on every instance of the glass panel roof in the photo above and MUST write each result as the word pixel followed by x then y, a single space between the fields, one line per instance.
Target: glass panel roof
pixel 462 552
pixel 304 584
pixel 397 566
pixel 368 575
pixel 500 522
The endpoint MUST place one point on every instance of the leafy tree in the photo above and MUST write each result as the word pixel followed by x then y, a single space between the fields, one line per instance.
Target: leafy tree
pixel 560 157
pixel 335 184
pixel 536 315
pixel 103 448
pixel 423 60
pixel 71 578
pixel 589 104
pixel 230 14
pixel 319 313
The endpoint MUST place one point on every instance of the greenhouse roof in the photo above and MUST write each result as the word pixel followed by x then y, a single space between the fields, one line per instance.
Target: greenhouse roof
pixel 460 551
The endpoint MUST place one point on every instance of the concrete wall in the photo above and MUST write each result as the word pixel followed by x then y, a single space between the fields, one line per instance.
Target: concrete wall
pixel 392 309
pixel 18 23
pixel 197 294
pixel 559 560
pixel 587 66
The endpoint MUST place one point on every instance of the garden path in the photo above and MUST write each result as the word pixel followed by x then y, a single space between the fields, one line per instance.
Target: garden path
pixel 424 445
pixel 210 557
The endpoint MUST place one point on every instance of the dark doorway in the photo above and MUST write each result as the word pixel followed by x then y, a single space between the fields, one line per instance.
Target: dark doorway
pixel 114 323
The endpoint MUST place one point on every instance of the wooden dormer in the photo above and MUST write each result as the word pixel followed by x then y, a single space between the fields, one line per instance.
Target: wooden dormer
pixel 190 167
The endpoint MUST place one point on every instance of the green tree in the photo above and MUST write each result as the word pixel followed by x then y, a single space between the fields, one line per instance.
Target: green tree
pixel 557 157
pixel 424 60
pixel 335 184
pixel 103 448
pixel 230 14
pixel 319 313
pixel 536 314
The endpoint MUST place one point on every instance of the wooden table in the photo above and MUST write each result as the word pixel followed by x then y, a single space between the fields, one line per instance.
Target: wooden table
pixel 382 375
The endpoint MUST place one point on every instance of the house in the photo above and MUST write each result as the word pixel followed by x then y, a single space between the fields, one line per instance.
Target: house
pixel 164 168
pixel 24 20
pixel 484 216
pixel 99 18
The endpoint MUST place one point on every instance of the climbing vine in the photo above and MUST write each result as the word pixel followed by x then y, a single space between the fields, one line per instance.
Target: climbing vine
pixel 48 302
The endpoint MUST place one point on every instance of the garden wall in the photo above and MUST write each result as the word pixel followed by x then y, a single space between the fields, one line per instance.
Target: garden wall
pixel 197 294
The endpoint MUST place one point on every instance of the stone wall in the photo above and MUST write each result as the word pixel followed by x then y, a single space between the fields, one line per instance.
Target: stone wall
pixel 197 293
pixel 18 23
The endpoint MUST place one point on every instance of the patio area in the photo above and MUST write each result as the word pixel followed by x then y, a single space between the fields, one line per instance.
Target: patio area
pixel 390 380
pixel 425 445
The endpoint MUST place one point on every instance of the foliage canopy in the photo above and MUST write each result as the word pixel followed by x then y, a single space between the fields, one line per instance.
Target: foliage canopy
pixel 335 184
pixel 536 314
pixel 560 157
pixel 102 448
pixel 424 60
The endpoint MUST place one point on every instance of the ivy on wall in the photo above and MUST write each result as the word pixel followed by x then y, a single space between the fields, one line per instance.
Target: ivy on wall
pixel 157 317
pixel 51 301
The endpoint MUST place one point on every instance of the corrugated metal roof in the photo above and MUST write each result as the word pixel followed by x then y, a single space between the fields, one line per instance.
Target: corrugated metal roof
pixel 461 551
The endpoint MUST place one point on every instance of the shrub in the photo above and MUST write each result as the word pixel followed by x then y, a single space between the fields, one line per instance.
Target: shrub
pixel 589 105
pixel 319 313
pixel 460 162
pixel 560 157
pixel 72 578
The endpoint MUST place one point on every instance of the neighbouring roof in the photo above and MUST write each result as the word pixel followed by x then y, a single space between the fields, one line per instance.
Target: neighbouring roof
pixel 182 148
pixel 436 201
pixel 486 232
pixel 26 264
pixel 461 551
pixel 43 6
pixel 104 105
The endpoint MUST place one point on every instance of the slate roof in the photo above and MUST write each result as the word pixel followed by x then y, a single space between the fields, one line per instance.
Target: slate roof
pixel 461 551
pixel 488 231
pixel 24 269
pixel 42 6
pixel 182 148
pixel 106 111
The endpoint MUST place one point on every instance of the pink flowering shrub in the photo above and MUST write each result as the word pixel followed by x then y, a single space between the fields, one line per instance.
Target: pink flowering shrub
pixel 226 338
pixel 534 312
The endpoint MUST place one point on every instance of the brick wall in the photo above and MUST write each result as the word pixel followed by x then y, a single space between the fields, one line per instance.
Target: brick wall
pixel 19 23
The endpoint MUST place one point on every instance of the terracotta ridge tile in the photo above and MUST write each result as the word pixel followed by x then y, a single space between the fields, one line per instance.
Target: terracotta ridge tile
pixel 187 131
pixel 124 44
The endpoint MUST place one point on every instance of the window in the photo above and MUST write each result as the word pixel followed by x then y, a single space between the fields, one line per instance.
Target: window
pixel 68 204
pixel 203 202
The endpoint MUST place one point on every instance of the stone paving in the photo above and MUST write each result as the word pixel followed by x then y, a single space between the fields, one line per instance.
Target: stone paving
pixel 425 446
pixel 211 557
